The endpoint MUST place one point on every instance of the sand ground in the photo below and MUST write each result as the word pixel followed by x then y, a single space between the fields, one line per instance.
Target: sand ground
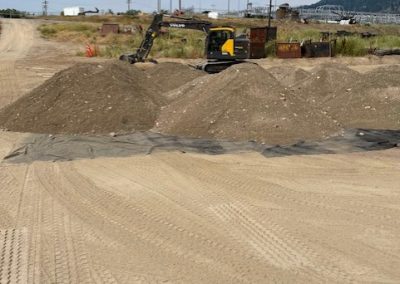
pixel 189 218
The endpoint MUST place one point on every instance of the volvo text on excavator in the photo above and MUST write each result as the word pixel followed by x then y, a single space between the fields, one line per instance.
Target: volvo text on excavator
pixel 222 47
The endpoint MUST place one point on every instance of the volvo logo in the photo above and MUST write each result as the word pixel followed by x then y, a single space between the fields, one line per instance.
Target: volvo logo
pixel 172 25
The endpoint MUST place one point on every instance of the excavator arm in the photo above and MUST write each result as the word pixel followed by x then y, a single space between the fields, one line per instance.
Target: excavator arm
pixel 154 31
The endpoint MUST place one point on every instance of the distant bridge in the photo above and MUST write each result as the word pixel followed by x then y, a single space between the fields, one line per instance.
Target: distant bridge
pixel 332 13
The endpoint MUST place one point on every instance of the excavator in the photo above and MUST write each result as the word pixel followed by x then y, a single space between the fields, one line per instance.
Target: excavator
pixel 222 48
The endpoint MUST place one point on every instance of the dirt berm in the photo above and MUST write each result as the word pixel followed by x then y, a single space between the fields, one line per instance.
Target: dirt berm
pixel 245 102
pixel 96 99
pixel 370 100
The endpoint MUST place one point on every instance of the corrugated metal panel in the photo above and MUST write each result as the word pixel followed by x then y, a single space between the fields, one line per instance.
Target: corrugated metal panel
pixel 257 50
pixel 288 50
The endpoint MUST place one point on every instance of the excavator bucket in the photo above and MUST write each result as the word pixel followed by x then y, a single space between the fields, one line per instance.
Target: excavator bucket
pixel 143 51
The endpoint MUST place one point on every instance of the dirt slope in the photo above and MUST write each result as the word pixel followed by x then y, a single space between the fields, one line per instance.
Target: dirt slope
pixel 288 75
pixel 373 102
pixel 87 98
pixel 245 102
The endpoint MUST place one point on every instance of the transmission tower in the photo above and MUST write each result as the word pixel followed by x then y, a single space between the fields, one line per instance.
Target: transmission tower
pixel 45 5
pixel 129 4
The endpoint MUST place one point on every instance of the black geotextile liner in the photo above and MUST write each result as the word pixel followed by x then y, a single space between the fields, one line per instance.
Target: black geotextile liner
pixel 39 147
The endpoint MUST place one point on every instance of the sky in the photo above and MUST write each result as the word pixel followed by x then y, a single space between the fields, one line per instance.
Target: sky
pixel 145 5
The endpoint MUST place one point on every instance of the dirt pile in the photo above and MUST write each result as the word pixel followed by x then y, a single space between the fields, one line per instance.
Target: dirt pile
pixel 87 98
pixel 245 102
pixel 325 83
pixel 288 75
pixel 372 102
pixel 351 99
pixel 169 76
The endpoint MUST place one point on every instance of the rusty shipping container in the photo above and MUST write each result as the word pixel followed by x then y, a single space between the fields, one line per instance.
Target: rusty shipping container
pixel 109 28
pixel 288 50
pixel 258 35
pixel 257 50
pixel 263 34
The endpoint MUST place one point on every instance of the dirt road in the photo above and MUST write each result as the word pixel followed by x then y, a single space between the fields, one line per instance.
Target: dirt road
pixel 189 218
pixel 15 42
pixel 27 60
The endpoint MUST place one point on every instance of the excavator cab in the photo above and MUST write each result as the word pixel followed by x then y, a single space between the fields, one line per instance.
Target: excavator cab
pixel 222 44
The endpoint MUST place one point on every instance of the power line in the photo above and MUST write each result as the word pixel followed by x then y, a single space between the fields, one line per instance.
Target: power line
pixel 45 6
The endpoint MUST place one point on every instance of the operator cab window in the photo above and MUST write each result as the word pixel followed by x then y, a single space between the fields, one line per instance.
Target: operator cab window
pixel 217 39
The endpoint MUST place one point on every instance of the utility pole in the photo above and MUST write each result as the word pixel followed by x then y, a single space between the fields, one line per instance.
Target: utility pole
pixel 159 6
pixel 45 6
pixel 129 4
pixel 269 19
pixel 229 6
pixel 170 7
pixel 180 5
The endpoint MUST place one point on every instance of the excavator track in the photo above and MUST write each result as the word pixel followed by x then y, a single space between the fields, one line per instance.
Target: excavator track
pixel 213 67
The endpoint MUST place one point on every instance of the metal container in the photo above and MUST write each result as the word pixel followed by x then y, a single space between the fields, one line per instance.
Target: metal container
pixel 263 34
pixel 109 28
pixel 73 11
pixel 258 35
pixel 257 50
pixel 318 49
pixel 288 50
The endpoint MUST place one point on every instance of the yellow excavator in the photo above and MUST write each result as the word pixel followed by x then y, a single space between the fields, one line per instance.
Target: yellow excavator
pixel 223 49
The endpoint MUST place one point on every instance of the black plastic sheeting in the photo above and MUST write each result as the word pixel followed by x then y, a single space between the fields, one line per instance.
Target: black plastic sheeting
pixel 40 147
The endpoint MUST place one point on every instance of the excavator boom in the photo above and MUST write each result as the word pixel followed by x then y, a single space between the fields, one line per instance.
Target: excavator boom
pixel 154 31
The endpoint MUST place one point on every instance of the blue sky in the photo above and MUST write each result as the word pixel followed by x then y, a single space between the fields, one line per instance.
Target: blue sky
pixel 147 5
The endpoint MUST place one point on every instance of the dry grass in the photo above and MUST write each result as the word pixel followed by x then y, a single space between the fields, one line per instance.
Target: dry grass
pixel 190 44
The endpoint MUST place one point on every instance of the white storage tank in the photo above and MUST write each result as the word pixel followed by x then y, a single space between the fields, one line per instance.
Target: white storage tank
pixel 73 11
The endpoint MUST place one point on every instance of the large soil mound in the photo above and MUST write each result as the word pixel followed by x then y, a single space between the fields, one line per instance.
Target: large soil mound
pixel 372 102
pixel 245 102
pixel 288 75
pixel 87 98
pixel 325 83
